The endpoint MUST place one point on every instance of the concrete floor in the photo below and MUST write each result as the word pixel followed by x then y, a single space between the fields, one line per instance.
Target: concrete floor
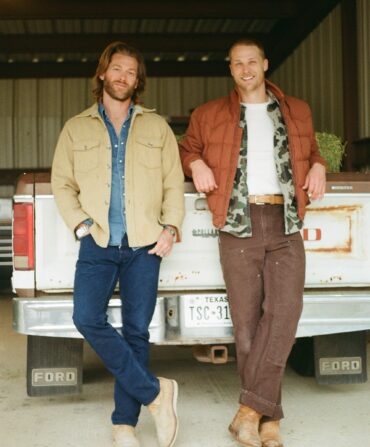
pixel 316 416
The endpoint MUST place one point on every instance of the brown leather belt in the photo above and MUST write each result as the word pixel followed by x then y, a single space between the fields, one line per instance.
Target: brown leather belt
pixel 273 199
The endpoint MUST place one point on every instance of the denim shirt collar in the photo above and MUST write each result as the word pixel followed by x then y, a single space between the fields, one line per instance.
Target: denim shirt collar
pixel 104 115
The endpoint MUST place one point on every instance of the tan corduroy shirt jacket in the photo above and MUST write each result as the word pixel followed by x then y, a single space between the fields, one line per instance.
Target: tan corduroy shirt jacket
pixel 154 181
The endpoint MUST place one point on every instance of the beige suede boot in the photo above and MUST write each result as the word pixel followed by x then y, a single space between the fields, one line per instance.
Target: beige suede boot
pixel 124 436
pixel 244 427
pixel 270 434
pixel 163 410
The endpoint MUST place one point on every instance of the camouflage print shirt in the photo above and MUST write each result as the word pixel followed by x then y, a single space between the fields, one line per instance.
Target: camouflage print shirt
pixel 238 222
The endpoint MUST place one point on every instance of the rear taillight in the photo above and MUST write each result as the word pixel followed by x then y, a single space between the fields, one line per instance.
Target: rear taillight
pixel 23 240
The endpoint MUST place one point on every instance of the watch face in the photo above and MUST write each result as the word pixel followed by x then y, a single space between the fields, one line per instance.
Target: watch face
pixel 171 230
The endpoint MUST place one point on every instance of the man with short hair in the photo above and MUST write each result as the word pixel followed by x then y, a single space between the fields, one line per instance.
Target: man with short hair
pixel 118 184
pixel 255 156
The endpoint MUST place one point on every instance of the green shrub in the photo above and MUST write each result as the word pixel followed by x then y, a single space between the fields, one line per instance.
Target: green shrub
pixel 332 149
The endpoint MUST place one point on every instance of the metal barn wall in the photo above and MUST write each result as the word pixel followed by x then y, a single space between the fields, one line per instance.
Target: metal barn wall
pixel 363 36
pixel 178 96
pixel 32 111
pixel 314 72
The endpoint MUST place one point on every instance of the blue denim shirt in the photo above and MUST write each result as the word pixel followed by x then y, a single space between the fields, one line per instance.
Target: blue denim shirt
pixel 117 220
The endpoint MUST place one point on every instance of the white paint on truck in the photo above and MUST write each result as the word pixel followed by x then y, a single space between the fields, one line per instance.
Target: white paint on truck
pixel 336 233
pixel 192 305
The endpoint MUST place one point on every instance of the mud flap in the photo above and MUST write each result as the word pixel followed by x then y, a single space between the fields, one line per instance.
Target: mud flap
pixel 332 359
pixel 54 365
pixel 341 358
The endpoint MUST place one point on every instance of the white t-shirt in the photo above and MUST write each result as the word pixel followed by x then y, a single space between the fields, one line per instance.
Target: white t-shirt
pixel 261 170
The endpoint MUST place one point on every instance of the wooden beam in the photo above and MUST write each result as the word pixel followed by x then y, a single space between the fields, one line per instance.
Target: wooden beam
pixel 350 83
pixel 18 70
pixel 94 43
pixel 288 34
pixel 118 9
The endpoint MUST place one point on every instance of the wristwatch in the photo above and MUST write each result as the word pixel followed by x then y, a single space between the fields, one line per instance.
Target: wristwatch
pixel 82 231
pixel 171 230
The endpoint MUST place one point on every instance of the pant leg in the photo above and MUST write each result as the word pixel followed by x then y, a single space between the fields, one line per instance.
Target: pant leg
pixel 274 304
pixel 276 330
pixel 242 262
pixel 138 287
pixel 97 271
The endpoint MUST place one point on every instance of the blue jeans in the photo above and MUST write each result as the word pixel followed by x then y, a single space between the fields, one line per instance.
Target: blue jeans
pixel 125 356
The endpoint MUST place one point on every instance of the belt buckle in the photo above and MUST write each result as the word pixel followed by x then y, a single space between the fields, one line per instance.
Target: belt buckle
pixel 257 202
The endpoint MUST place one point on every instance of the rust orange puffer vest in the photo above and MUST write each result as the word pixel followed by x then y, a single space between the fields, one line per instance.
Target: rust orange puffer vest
pixel 214 135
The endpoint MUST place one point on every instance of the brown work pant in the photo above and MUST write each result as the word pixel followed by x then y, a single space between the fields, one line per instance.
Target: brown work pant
pixel 264 276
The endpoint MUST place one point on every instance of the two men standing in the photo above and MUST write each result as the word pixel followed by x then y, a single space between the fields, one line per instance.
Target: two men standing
pixel 118 183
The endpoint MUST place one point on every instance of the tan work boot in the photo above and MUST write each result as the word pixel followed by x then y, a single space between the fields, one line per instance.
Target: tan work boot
pixel 124 436
pixel 244 427
pixel 163 410
pixel 270 434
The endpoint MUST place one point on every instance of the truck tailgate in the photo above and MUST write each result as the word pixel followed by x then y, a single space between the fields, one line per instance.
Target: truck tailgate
pixel 336 234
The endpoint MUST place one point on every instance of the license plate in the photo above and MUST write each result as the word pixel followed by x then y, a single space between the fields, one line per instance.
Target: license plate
pixel 207 311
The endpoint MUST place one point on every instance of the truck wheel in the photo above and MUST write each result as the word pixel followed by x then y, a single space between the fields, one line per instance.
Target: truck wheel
pixel 301 358
pixel 54 365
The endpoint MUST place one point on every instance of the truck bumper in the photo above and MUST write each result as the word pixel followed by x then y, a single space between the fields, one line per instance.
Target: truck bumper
pixel 51 316
pixel 334 311
pixel 324 312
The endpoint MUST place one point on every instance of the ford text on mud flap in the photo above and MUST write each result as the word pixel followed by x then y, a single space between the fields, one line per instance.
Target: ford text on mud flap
pixel 340 365
pixel 192 303
pixel 54 377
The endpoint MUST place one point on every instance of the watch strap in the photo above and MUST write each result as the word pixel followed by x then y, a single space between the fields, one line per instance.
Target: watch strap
pixel 171 230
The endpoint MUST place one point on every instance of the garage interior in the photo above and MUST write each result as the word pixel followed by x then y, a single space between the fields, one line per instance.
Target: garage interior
pixel 318 50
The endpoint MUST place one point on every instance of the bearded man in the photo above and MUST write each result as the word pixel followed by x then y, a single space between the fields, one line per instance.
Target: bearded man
pixel 118 184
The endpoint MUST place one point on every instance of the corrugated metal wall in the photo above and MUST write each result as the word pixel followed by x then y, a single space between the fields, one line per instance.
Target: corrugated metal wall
pixel 177 96
pixel 363 20
pixel 31 116
pixel 32 112
pixel 314 72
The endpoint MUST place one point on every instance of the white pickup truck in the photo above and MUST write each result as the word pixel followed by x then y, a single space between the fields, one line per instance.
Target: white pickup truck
pixel 192 305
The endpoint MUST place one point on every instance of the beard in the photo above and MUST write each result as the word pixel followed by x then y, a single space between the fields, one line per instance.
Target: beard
pixel 119 94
